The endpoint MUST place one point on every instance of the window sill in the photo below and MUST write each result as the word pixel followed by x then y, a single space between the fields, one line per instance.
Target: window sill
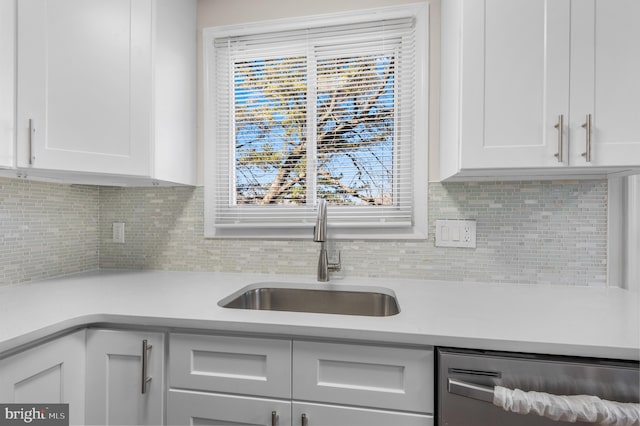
pixel 306 233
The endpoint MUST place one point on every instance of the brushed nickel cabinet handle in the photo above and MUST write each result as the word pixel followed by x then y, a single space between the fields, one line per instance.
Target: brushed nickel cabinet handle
pixel 274 418
pixel 304 420
pixel 560 127
pixel 146 347
pixel 587 127
pixel 31 132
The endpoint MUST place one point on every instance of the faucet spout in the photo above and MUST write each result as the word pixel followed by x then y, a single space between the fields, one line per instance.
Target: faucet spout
pixel 320 230
pixel 320 236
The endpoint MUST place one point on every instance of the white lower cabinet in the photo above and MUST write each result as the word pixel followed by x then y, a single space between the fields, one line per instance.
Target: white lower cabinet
pixel 308 414
pixel 363 375
pixel 116 377
pixel 118 363
pixel 52 372
pixel 229 364
pixel 228 380
pixel 202 408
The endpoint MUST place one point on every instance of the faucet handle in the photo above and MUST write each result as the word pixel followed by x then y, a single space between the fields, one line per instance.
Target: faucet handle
pixel 334 267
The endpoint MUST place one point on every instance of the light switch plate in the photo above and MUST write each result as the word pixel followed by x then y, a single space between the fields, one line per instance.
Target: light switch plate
pixel 456 233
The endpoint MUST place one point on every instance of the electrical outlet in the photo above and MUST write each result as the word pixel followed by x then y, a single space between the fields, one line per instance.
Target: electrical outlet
pixel 456 233
pixel 118 232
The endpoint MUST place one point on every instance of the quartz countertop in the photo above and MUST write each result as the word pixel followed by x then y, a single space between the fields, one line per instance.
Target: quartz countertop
pixel 562 320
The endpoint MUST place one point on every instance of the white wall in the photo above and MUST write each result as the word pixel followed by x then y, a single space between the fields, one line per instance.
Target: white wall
pixel 632 260
pixel 226 12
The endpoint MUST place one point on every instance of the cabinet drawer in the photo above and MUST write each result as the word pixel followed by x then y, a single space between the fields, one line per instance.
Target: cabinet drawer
pixel 323 415
pixel 370 376
pixel 201 409
pixel 240 365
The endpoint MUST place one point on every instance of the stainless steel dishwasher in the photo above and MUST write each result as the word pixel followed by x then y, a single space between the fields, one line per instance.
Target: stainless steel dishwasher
pixel 466 380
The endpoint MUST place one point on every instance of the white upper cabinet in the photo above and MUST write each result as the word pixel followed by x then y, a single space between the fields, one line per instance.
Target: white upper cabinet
pixel 84 69
pixel 519 78
pixel 605 82
pixel 7 82
pixel 107 87
pixel 515 80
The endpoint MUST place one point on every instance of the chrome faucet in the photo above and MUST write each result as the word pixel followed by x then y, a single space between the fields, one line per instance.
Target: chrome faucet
pixel 320 236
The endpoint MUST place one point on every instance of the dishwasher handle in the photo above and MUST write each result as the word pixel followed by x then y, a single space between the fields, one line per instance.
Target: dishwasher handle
pixel 470 390
pixel 566 408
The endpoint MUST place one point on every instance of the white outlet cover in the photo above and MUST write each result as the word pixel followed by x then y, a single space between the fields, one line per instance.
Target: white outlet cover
pixel 456 233
pixel 118 232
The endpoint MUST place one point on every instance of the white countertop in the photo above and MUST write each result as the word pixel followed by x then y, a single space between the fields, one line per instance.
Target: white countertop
pixel 561 320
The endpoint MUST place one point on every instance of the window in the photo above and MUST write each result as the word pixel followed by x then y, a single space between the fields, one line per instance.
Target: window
pixel 326 107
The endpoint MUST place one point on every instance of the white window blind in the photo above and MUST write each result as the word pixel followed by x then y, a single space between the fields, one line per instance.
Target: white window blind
pixel 314 112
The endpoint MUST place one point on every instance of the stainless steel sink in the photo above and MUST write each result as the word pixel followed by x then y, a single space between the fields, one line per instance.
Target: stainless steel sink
pixel 345 301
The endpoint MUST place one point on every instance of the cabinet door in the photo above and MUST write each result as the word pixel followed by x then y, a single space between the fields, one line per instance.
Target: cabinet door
pixel 515 83
pixel 605 65
pixel 203 409
pixel 49 373
pixel 324 415
pixel 115 375
pixel 7 81
pixel 84 85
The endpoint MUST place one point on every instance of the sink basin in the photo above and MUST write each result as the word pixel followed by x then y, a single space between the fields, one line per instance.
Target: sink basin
pixel 349 300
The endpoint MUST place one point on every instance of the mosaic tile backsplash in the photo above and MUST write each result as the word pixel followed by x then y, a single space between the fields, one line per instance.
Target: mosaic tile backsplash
pixel 46 230
pixel 527 232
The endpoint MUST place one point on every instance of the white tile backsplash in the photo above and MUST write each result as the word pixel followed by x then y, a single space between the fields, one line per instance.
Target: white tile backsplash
pixel 527 232
pixel 46 230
